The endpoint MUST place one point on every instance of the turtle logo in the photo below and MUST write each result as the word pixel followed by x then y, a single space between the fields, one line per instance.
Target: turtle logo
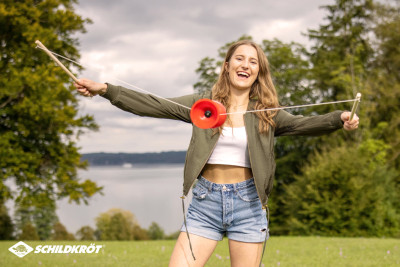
pixel 20 249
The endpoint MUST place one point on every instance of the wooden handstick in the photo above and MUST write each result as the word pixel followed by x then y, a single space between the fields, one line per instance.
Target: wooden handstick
pixel 56 60
pixel 355 106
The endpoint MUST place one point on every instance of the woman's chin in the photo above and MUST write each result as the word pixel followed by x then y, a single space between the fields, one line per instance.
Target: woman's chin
pixel 241 87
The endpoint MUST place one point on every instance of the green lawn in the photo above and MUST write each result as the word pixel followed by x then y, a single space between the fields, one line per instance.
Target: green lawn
pixel 280 251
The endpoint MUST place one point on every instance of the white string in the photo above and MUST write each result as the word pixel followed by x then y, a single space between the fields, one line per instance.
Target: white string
pixel 131 85
pixel 239 112
pixel 289 107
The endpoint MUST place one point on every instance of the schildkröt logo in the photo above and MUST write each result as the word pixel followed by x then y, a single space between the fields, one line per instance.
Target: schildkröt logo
pixel 20 249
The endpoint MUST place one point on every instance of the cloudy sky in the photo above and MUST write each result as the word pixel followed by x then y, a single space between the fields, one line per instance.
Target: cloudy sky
pixel 157 45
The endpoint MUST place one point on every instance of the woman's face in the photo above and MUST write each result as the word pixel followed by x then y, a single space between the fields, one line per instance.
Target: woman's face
pixel 243 67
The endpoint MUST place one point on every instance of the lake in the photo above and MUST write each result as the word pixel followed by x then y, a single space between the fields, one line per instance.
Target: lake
pixel 151 192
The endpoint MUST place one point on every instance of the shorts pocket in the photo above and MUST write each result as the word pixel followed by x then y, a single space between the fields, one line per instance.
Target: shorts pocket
pixel 199 191
pixel 248 193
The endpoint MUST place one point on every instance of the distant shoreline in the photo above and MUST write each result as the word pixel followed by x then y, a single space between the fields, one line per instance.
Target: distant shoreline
pixel 129 160
pixel 140 166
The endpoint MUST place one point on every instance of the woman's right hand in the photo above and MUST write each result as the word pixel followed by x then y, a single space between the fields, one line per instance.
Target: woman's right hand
pixel 88 87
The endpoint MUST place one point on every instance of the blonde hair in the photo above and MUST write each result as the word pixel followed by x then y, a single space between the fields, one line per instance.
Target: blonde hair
pixel 262 90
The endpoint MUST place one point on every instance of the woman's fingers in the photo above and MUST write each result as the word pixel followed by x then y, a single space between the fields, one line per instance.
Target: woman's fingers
pixel 350 125
pixel 84 92
pixel 79 86
pixel 94 88
pixel 84 87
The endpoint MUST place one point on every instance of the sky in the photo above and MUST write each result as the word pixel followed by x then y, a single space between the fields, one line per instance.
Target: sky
pixel 157 45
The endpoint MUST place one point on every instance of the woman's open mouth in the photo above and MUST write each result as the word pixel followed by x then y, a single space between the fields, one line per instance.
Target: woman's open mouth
pixel 243 75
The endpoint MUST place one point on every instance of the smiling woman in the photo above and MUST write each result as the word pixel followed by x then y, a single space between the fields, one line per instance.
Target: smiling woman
pixel 234 164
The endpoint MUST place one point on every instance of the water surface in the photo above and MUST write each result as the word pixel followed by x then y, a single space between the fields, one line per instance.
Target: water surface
pixel 150 192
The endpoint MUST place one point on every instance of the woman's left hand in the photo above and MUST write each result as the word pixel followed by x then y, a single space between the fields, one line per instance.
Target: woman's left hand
pixel 349 125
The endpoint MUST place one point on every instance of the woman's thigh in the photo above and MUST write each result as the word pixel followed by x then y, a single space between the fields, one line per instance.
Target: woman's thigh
pixel 202 249
pixel 245 254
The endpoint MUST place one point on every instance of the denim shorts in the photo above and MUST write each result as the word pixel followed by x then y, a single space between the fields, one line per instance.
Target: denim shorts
pixel 231 209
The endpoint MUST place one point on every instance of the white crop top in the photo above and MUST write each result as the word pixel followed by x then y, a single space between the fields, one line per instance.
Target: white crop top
pixel 231 149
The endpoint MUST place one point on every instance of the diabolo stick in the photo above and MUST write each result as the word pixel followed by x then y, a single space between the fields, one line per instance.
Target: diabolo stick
pixel 56 60
pixel 355 106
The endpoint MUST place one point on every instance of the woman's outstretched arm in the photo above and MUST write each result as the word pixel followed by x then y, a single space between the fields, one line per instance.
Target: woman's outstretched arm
pixel 139 103
pixel 288 124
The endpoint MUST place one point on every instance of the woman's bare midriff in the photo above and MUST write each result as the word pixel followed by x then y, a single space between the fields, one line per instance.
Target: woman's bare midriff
pixel 226 174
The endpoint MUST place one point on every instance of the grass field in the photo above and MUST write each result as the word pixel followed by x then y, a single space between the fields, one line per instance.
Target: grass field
pixel 280 251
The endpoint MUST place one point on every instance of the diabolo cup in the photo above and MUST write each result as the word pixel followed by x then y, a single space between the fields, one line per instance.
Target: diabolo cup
pixel 207 113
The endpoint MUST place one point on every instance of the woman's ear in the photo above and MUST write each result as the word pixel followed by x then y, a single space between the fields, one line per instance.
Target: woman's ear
pixel 226 66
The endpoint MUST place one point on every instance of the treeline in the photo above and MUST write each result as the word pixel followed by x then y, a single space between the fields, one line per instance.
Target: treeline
pixel 114 224
pixel 109 159
pixel 345 183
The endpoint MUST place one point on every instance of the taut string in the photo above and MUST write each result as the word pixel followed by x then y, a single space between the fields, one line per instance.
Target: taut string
pixel 131 85
pixel 289 107
pixel 169 100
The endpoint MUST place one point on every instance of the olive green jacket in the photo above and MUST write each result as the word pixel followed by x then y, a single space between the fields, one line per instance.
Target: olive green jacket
pixel 203 141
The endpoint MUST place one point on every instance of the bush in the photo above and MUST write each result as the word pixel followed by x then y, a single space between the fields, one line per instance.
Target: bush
pixel 28 232
pixel 347 191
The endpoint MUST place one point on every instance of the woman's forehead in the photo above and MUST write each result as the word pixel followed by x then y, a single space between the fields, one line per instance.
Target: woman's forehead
pixel 246 50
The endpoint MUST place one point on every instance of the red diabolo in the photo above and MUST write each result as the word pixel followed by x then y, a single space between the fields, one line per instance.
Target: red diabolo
pixel 207 113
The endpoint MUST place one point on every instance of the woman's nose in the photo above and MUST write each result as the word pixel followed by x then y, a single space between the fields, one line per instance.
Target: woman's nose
pixel 245 64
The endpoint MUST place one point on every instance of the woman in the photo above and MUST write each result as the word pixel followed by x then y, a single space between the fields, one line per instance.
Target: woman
pixel 233 165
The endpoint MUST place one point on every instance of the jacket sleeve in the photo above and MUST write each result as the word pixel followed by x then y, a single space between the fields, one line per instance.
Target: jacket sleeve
pixel 288 124
pixel 147 105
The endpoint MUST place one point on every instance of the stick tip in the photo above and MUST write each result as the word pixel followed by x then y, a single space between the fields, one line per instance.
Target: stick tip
pixel 358 95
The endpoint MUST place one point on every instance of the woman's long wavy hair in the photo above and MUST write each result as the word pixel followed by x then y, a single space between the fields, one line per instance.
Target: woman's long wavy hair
pixel 262 90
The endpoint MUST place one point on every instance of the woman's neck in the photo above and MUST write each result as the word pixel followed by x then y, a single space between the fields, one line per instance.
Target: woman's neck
pixel 239 98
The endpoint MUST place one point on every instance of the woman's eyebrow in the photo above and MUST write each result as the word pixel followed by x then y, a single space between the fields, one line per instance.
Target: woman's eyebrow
pixel 240 55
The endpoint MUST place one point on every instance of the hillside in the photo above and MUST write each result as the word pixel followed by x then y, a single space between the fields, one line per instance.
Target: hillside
pixel 108 159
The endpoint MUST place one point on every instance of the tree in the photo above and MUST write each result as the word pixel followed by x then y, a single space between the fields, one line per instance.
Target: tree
pixel 173 236
pixel 39 120
pixel 383 86
pixel 6 225
pixel 341 50
pixel 43 216
pixel 346 191
pixel 85 233
pixel 115 224
pixel 61 233
pixel 155 231
pixel 28 232
pixel 138 233
pixel 120 228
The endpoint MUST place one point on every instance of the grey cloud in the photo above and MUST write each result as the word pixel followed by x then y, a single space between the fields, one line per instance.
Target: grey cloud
pixel 157 45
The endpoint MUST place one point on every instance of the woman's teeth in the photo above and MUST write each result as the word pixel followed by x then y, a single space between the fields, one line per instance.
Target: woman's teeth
pixel 243 74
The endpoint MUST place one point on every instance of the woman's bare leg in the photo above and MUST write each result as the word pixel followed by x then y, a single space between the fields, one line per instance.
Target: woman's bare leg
pixel 202 249
pixel 245 254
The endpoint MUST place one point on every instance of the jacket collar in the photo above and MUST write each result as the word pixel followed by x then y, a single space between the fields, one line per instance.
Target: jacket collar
pixel 252 104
